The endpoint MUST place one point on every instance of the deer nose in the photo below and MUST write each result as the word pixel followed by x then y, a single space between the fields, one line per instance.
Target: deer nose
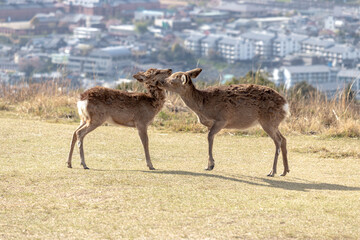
pixel 170 70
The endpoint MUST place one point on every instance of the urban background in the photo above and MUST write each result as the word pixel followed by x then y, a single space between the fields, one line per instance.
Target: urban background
pixel 104 42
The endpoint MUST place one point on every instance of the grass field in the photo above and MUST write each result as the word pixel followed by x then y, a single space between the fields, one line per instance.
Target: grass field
pixel 118 198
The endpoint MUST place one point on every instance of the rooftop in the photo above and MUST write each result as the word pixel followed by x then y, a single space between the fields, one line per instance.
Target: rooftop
pixel 308 69
pixel 258 36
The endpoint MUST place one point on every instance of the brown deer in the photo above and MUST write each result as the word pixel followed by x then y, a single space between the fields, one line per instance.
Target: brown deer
pixel 98 105
pixel 236 106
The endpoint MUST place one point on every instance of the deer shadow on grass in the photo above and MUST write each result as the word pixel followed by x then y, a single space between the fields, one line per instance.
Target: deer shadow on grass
pixel 288 184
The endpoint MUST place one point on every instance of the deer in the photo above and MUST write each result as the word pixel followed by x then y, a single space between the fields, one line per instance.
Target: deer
pixel 233 107
pixel 132 109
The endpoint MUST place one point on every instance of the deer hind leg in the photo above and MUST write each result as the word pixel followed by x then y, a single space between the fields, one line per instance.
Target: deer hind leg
pixel 273 132
pixel 73 141
pixel 284 154
pixel 211 135
pixel 142 130
pixel 81 133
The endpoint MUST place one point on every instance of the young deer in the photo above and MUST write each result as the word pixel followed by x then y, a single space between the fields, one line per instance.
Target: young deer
pixel 98 105
pixel 236 106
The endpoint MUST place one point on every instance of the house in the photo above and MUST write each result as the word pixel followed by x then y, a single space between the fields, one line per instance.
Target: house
pixel 100 62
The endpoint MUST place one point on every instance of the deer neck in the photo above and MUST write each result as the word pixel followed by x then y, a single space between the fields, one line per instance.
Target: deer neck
pixel 158 96
pixel 193 98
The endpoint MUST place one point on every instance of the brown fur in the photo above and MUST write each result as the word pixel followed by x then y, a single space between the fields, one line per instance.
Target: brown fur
pixel 236 106
pixel 98 105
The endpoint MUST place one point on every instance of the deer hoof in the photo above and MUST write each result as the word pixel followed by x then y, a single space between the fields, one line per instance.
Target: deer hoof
pixel 209 168
pixel 69 166
pixel 86 168
pixel 152 168
pixel 284 173
pixel 271 174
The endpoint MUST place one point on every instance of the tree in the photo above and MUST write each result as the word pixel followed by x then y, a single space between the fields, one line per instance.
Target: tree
pixel 141 27
pixel 253 78
pixel 303 90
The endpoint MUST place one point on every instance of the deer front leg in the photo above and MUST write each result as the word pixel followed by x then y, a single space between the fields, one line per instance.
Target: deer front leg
pixel 217 126
pixel 142 130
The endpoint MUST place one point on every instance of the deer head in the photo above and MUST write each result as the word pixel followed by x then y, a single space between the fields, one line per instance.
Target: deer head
pixel 179 82
pixel 152 77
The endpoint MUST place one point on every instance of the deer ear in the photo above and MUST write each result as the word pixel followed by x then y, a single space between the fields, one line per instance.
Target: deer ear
pixel 139 76
pixel 184 79
pixel 194 73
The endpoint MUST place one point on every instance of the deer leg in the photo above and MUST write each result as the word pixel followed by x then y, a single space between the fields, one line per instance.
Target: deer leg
pixel 142 130
pixel 284 154
pixel 81 133
pixel 272 132
pixel 73 141
pixel 211 135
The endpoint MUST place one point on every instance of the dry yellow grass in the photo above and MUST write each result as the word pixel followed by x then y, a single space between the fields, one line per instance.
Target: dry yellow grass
pixel 314 116
pixel 118 198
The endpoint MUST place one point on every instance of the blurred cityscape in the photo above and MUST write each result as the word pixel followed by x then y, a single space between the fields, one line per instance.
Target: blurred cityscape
pixel 104 42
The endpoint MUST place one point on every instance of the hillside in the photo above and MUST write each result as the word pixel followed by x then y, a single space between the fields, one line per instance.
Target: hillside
pixel 119 198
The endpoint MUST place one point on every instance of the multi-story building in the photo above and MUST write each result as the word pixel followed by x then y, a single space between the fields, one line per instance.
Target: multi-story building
pixel 285 44
pixel 350 77
pixel 316 45
pixel 101 62
pixel 235 49
pixel 193 43
pixel 340 53
pixel 109 7
pixel 209 44
pixel 87 33
pixel 328 80
pixel 263 42
pixel 173 24
pixel 145 15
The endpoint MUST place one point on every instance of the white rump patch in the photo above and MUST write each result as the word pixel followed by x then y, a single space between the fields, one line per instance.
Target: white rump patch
pixel 82 108
pixel 287 110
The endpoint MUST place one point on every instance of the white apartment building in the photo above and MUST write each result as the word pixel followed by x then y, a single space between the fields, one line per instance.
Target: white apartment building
pixel 351 77
pixel 291 75
pixel 326 79
pixel 316 45
pixel 122 30
pixel 339 53
pixel 210 43
pixel 263 42
pixel 104 61
pixel 285 44
pixel 193 43
pixel 87 33
pixel 145 15
pixel 85 3
pixel 235 49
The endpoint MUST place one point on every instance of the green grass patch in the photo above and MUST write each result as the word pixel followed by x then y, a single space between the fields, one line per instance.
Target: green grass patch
pixel 118 198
